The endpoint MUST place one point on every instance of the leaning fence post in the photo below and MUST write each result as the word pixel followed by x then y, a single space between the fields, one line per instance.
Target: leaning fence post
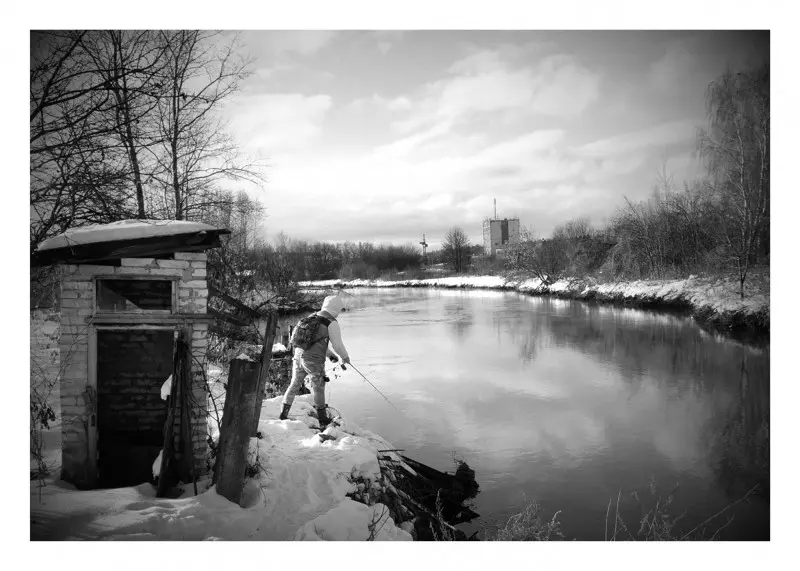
pixel 234 434
pixel 266 356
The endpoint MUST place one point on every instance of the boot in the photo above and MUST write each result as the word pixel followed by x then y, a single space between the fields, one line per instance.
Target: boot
pixel 322 416
pixel 285 412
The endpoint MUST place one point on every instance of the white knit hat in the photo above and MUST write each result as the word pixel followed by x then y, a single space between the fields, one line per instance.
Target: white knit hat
pixel 333 304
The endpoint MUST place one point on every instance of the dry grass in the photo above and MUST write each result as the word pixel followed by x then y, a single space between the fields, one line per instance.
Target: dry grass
pixel 528 525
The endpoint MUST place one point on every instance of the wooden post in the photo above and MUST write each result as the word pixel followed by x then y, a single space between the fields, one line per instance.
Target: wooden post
pixel 186 407
pixel 168 448
pixel 266 357
pixel 91 428
pixel 237 424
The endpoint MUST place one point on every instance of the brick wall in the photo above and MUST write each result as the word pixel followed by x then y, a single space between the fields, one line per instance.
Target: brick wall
pixel 77 308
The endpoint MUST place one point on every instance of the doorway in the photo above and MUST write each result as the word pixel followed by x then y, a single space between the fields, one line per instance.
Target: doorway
pixel 132 365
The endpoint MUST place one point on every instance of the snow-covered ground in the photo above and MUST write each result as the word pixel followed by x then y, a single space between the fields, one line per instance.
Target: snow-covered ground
pixel 299 493
pixel 716 298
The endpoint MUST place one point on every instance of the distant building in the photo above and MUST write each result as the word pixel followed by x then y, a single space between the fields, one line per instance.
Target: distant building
pixel 497 233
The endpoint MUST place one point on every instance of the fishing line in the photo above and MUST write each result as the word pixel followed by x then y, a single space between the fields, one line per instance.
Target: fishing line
pixel 376 388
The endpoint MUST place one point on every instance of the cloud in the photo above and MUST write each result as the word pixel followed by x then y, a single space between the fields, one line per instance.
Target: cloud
pixel 399 104
pixel 564 87
pixel 376 101
pixel 300 42
pixel 558 86
pixel 490 91
pixel 384 47
pixel 406 145
pixel 664 134
pixel 671 70
pixel 279 122
pixel 386 39
pixel 481 59
pixel 495 85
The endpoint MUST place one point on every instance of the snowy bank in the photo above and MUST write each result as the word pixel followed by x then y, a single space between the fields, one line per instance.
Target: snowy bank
pixel 301 485
pixel 712 300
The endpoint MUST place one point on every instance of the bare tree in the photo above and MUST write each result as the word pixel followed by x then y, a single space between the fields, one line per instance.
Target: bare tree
pixel 527 254
pixel 735 148
pixel 131 65
pixel 75 178
pixel 126 124
pixel 195 152
pixel 456 249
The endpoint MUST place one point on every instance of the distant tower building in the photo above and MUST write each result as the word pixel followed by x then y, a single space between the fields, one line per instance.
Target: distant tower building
pixel 497 233
pixel 424 245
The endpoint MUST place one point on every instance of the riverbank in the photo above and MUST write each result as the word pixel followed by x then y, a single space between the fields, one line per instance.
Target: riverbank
pixel 301 485
pixel 713 301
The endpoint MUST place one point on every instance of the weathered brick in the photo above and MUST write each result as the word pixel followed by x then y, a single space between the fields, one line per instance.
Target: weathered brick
pixel 171 272
pixel 195 284
pixel 69 285
pixel 199 273
pixel 67 269
pixel 94 270
pixel 194 256
pixel 138 262
pixel 173 264
pixel 135 271
pixel 198 264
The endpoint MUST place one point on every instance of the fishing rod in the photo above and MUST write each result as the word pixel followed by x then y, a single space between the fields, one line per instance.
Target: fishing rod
pixel 374 387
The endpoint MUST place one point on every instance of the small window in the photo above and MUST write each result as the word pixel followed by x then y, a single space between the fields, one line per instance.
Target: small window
pixel 134 296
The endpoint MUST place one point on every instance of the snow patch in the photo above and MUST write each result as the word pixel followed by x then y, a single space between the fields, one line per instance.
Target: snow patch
pixel 353 521
pixel 166 388
pixel 157 464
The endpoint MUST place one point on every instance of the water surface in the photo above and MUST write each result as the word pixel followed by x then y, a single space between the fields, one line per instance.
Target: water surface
pixel 567 403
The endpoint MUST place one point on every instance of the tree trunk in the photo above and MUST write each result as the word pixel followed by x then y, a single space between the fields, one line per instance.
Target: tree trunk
pixel 237 422
pixel 132 155
pixel 174 148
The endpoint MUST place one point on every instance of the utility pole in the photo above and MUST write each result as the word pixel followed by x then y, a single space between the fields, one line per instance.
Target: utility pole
pixel 495 209
pixel 424 245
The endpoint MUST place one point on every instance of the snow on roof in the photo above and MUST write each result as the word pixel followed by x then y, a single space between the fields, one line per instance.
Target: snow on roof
pixel 123 230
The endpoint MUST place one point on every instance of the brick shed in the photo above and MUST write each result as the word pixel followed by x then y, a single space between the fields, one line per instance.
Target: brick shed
pixel 127 290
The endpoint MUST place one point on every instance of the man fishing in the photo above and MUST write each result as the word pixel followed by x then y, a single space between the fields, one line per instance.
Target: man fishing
pixel 310 340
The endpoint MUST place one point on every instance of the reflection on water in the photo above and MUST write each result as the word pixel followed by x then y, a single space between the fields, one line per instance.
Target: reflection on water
pixel 564 402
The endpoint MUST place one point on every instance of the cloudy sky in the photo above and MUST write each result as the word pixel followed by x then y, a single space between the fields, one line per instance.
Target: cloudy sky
pixel 384 136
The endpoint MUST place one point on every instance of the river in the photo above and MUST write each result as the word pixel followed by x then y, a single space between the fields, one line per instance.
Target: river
pixel 571 404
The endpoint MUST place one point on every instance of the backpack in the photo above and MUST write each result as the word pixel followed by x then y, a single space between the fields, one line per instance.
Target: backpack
pixel 305 334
